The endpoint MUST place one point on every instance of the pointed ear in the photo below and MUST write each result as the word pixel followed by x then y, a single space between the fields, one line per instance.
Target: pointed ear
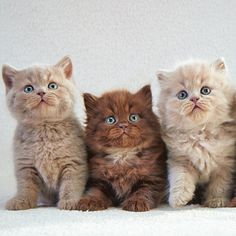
pixel 219 65
pixel 90 103
pixel 66 64
pixel 163 77
pixel 145 94
pixel 8 74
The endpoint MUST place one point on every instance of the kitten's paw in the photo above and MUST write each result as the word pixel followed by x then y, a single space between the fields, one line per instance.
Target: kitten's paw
pixel 136 205
pixel 70 204
pixel 20 203
pixel 180 199
pixel 89 204
pixel 216 202
pixel 232 203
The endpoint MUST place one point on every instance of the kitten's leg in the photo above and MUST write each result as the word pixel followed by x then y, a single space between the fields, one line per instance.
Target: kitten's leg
pixel 72 186
pixel 140 200
pixel 94 200
pixel 182 181
pixel 28 189
pixel 218 190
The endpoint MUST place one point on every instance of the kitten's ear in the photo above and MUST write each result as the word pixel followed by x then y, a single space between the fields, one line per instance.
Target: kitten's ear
pixel 163 77
pixel 145 94
pixel 66 64
pixel 219 65
pixel 90 102
pixel 8 75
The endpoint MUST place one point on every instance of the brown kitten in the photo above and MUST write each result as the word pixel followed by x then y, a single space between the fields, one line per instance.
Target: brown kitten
pixel 127 162
pixel 49 151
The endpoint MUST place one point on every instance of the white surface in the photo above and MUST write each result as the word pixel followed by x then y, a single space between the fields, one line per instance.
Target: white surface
pixel 113 44
pixel 190 220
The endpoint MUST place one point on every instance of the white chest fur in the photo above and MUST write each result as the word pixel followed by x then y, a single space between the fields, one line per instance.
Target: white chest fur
pixel 122 156
pixel 205 149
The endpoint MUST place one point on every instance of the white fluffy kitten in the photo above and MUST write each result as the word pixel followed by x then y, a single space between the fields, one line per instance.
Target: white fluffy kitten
pixel 195 102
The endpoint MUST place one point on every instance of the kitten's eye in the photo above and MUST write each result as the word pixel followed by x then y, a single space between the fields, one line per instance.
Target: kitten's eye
pixel 53 86
pixel 182 95
pixel 205 90
pixel 134 118
pixel 28 89
pixel 110 120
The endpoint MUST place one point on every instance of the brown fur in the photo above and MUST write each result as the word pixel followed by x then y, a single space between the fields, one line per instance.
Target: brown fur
pixel 230 127
pixel 127 170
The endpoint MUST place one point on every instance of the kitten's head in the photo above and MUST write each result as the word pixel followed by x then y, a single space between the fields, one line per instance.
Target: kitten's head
pixel 119 120
pixel 40 93
pixel 194 94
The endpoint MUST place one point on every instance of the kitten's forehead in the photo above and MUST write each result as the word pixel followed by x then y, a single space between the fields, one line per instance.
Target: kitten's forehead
pixel 192 75
pixel 37 75
pixel 119 103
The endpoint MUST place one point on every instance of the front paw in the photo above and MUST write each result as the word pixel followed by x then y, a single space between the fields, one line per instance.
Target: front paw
pixel 70 204
pixel 180 198
pixel 136 205
pixel 216 202
pixel 89 204
pixel 21 203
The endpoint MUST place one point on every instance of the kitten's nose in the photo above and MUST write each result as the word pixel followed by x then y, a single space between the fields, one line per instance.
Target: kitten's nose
pixel 41 94
pixel 123 125
pixel 194 99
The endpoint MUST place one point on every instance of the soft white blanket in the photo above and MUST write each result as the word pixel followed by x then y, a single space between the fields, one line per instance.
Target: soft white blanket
pixel 190 220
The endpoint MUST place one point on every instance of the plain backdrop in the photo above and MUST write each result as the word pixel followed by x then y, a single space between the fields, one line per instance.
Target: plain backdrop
pixel 113 44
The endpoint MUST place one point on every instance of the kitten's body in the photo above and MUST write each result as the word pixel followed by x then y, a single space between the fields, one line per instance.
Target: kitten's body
pixel 120 173
pixel 200 150
pixel 125 171
pixel 49 151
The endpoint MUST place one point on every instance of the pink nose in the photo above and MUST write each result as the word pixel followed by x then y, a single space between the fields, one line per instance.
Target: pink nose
pixel 194 99
pixel 41 94
pixel 123 125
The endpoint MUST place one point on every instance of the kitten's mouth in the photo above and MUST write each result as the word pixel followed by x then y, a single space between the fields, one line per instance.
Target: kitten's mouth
pixel 124 134
pixel 196 107
pixel 42 101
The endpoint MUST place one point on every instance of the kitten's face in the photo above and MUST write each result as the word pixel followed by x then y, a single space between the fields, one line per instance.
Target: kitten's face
pixel 40 93
pixel 194 93
pixel 119 120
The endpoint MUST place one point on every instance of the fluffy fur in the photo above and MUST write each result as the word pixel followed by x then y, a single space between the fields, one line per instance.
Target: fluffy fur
pixel 49 151
pixel 201 150
pixel 127 161
pixel 231 126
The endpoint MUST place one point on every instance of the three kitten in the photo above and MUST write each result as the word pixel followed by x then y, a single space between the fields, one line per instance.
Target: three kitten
pixel 126 154
pixel 127 157
pixel 49 150
pixel 195 104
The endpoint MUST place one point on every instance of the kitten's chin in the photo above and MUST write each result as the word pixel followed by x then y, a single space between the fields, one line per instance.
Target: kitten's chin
pixel 43 113
pixel 197 117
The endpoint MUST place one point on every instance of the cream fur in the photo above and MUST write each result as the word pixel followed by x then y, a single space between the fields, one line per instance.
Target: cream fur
pixel 49 151
pixel 200 150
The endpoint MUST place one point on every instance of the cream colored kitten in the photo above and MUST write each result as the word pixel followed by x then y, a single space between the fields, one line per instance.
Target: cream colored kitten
pixel 195 101
pixel 49 151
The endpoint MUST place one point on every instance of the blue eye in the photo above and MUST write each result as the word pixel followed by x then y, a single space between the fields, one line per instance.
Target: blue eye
pixel 110 120
pixel 28 89
pixel 53 86
pixel 134 118
pixel 205 90
pixel 182 95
